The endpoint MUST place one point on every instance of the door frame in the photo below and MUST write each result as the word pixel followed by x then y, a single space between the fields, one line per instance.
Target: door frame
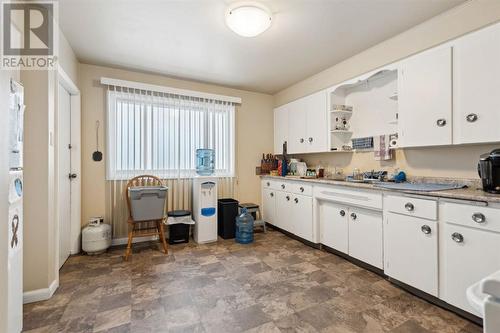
pixel 75 226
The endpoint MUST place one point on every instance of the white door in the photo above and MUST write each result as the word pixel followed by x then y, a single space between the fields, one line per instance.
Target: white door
pixel 334 224
pixel 302 217
pixel 280 128
pixel 469 256
pixel 283 214
pixel 297 127
pixel 476 80
pixel 411 251
pixel 425 99
pixel 365 236
pixel 317 122
pixel 64 170
pixel 268 205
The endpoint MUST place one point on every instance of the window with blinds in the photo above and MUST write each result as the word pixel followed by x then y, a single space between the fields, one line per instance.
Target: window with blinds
pixel 157 133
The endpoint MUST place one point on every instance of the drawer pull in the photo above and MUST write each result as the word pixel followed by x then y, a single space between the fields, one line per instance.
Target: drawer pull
pixel 426 229
pixel 471 117
pixel 478 218
pixel 354 216
pixel 283 186
pixel 409 207
pixel 287 198
pixel 296 200
pixel 457 237
pixel 301 140
pixel 301 189
pixel 342 212
pixel 310 139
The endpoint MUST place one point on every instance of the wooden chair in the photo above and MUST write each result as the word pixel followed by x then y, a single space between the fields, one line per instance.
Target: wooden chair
pixel 135 228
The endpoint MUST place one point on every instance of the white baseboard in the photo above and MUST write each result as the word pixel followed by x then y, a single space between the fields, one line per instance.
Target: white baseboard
pixel 124 240
pixel 40 294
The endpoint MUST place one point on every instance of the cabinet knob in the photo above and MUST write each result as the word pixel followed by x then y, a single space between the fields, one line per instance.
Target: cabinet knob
pixel 409 207
pixel 342 212
pixel 354 216
pixel 287 198
pixel 296 200
pixel 478 218
pixel 301 189
pixel 310 139
pixel 441 122
pixel 271 194
pixel 283 186
pixel 268 184
pixel 426 229
pixel 471 117
pixel 301 140
pixel 457 237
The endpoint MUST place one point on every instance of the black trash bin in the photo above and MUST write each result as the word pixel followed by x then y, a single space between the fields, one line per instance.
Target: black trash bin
pixel 226 217
pixel 179 232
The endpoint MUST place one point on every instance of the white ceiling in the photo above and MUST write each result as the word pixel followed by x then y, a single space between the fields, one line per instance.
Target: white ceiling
pixel 189 39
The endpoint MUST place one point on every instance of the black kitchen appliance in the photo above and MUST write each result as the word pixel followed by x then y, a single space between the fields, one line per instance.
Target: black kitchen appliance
pixel 489 171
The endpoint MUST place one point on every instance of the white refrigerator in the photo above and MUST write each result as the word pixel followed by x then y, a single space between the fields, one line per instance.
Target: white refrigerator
pixel 15 217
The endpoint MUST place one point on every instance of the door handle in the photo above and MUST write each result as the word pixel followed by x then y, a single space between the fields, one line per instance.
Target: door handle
pixel 296 200
pixel 441 122
pixel 301 189
pixel 342 212
pixel 457 237
pixel 283 186
pixel 301 140
pixel 310 139
pixel 426 229
pixel 354 216
pixel 271 194
pixel 287 198
pixel 72 175
pixel 471 117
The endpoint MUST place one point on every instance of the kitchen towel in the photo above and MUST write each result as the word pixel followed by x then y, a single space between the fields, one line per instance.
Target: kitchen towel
pixel 382 152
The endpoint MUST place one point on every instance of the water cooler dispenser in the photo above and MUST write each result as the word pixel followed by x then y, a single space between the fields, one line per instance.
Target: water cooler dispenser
pixel 205 209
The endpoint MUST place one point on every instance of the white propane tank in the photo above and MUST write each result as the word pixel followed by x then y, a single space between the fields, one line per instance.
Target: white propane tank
pixel 96 236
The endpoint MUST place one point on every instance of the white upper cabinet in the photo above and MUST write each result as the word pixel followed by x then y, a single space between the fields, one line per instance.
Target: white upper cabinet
pixel 425 99
pixel 317 122
pixel 302 124
pixel 280 128
pixel 476 80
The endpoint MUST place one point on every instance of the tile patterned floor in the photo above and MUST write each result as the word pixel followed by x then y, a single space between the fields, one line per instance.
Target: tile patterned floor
pixel 276 284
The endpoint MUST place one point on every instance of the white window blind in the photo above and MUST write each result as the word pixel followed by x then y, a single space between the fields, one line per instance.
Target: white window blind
pixel 158 133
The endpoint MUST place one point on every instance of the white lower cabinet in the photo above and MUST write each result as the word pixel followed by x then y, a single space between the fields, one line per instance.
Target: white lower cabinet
pixel 411 251
pixel 334 226
pixel 469 256
pixel 269 205
pixel 283 213
pixel 365 236
pixel 301 217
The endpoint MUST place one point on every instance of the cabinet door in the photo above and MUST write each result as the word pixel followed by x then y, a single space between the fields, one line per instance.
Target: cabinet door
pixel 425 99
pixel 269 205
pixel 469 256
pixel 317 122
pixel 411 251
pixel 297 127
pixel 334 225
pixel 301 216
pixel 280 128
pixel 365 236
pixel 476 80
pixel 283 214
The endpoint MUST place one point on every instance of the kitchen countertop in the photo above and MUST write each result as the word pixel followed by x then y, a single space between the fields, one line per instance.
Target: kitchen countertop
pixel 471 193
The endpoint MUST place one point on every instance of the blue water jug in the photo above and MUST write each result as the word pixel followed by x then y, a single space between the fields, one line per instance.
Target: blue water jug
pixel 205 162
pixel 244 227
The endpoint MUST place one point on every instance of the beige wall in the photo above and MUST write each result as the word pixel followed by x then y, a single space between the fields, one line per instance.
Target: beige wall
pixel 254 131
pixel 40 205
pixel 440 161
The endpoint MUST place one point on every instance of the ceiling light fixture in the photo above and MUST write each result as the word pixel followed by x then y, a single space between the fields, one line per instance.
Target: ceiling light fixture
pixel 249 18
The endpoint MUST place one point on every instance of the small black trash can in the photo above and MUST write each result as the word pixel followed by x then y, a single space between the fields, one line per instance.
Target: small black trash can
pixel 226 217
pixel 178 232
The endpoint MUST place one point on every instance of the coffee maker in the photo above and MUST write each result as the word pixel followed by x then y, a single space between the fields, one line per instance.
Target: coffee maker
pixel 489 171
